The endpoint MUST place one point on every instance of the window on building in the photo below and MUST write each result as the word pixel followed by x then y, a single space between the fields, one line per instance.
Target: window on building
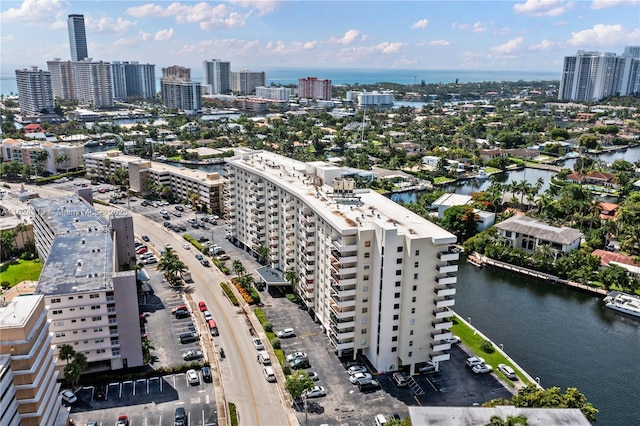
pixel 395 328
pixel 56 300
pixel 366 255
pixel 399 272
pixel 364 320
pixel 96 318
pixel 70 297
pixel 365 278
pixel 417 252
pixel 415 276
pixel 365 310
pixel 410 342
pixel 365 289
pixel 396 296
pixel 416 264
pixel 399 261
pixel 400 249
pixel 394 349
pixel 413 310
pixel 56 312
pixel 410 332
pixel 94 296
pixel 412 322
pixel 363 341
pixel 396 317
pixel 367 266
pixel 410 353
pixel 365 299
pixel 363 331
pixel 367 243
pixel 396 306
pixel 414 288
pixel 413 299
pixel 394 339
pixel 58 323
pixel 94 307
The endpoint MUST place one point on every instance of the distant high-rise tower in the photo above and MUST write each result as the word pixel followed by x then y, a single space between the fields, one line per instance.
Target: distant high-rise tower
pixel 77 37
pixel 313 88
pixel 179 91
pixel 35 91
pixel 590 76
pixel 245 82
pixel 217 76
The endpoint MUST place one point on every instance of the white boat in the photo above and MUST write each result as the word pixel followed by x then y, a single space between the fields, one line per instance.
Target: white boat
pixel 482 175
pixel 623 302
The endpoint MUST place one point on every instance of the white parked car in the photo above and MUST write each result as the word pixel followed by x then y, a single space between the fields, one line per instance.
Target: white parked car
pixel 186 246
pixel 357 369
pixel 207 316
pixel 192 377
pixel 296 355
pixel 360 378
pixel 68 397
pixel 429 366
pixel 482 368
pixel 315 392
pixel 454 340
pixel 474 360
pixel 507 371
pixel 284 333
pixel 257 343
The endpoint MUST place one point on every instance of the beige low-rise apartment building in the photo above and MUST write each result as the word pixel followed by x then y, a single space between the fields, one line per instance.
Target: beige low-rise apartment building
pixel 182 181
pixel 52 157
pixel 378 277
pixel 28 378
pixel 89 280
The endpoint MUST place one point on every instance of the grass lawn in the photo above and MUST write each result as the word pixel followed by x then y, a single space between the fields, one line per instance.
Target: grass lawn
pixel 20 270
pixel 473 341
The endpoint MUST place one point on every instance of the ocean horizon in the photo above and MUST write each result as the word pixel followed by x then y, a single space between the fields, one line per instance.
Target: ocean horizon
pixel 362 76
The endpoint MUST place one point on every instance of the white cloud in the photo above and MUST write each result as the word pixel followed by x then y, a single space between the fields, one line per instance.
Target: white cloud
pixel 602 35
pixel 389 47
pixel 263 6
pixel 502 31
pixel 207 16
pixel 107 25
pixel 508 47
pixel 439 43
pixel 310 44
pixel 603 4
pixel 164 35
pixel 459 26
pixel 7 38
pixel 347 38
pixel 545 8
pixel 479 27
pixel 35 11
pixel 543 45
pixel 421 24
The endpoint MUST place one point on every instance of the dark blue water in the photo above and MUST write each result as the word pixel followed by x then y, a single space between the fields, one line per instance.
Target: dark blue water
pixel 564 337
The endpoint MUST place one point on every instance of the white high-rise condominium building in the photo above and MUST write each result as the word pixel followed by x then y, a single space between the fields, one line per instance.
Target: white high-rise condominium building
pixel 274 93
pixel 77 37
pixel 133 80
pixel 378 277
pixel 217 76
pixel 375 98
pixel 89 82
pixel 245 82
pixel 590 76
pixel 62 79
pixel 88 280
pixel 179 91
pixel 35 91
pixel 27 366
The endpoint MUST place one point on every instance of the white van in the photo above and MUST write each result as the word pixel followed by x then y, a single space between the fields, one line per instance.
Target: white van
pixel 381 420
pixel 263 357
pixel 269 373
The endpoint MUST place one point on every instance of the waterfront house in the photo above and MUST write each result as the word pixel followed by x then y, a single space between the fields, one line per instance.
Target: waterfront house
pixel 527 233
pixel 484 219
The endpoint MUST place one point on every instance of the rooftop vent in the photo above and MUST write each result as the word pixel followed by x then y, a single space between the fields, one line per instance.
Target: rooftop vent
pixel 79 263
pixel 83 241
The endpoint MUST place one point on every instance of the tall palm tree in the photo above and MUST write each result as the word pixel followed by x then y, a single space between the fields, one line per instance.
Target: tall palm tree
pixel 238 267
pixel 291 276
pixel 66 353
pixel 172 266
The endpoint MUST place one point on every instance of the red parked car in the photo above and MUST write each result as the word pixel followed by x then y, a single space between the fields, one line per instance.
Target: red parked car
pixel 202 306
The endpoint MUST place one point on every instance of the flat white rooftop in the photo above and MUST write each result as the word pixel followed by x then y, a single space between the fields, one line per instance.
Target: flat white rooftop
pixel 17 311
pixel 362 209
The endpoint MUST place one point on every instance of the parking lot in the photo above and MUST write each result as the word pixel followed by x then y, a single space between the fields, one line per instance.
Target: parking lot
pixel 148 402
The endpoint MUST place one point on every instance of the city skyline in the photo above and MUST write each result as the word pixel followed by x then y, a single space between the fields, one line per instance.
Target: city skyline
pixel 509 35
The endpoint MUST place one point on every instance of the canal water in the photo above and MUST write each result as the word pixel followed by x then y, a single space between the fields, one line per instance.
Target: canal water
pixel 565 337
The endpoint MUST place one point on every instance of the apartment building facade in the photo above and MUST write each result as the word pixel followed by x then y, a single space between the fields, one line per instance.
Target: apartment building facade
pixel 179 91
pixel 87 81
pixel 589 76
pixel 77 37
pixel 274 93
pixel 217 76
pixel 35 91
pixel 133 80
pixel 379 278
pixel 314 88
pixel 368 99
pixel 30 393
pixel 88 280
pixel 245 82
pixel 183 182
pixel 52 157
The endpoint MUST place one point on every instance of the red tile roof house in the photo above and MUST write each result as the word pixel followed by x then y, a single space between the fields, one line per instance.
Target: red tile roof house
pixel 32 128
pixel 594 178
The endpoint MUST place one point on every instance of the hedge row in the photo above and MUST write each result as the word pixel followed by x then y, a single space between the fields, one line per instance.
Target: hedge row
pixel 229 293
pixel 45 180
pixel 193 241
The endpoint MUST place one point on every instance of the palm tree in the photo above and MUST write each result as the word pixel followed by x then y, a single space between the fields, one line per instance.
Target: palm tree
pixel 66 353
pixel 20 228
pixel 7 241
pixel 291 276
pixel 172 266
pixel 262 252
pixel 238 267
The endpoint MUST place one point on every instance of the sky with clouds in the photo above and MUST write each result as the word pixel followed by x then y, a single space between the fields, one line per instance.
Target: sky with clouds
pixel 526 35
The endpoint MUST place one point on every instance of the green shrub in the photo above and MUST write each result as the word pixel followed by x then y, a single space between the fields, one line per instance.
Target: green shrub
pixel 104 203
pixel 275 342
pixel 487 346
pixel 193 241
pixel 254 294
pixel 286 368
pixel 233 414
pixel 292 297
pixel 229 293
pixel 262 317
pixel 268 327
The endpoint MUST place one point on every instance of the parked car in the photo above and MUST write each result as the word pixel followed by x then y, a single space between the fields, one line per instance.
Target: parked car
pixel 454 340
pixel 206 374
pixel 100 392
pixel 313 376
pixel 429 366
pixel 508 372
pixel 299 363
pixel 296 355
pixel 199 256
pixel 192 377
pixel 205 263
pixel 179 208
pixel 202 306
pixel 474 360
pixel 186 246
pixel 122 421
pixel 357 369
pixel 207 315
pixel 141 250
pixel 180 417
pixel 223 257
pixel 315 392
pixel 370 386
pixel 482 368
pixel 68 397
pixel 167 245
pixel 284 333
pixel 182 314
pixel 179 308
pixel 145 238
pixel 191 355
pixel 269 373
pixel 400 380
pixel 360 378
pixel 150 260
pixel 257 343
pixel 166 217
